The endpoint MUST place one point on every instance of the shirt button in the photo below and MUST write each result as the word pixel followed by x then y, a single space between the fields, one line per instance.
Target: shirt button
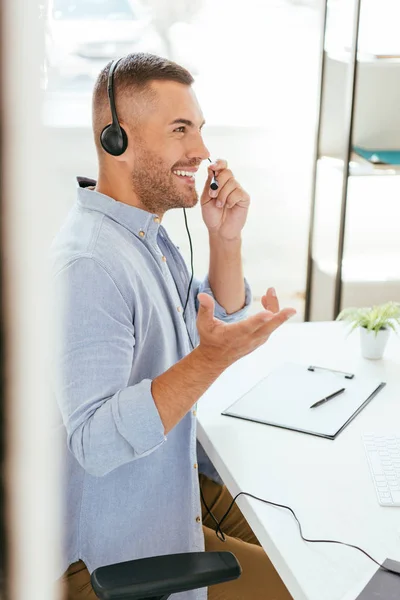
pixel 198 519
pixel 178 308
pixel 164 258
pixel 194 413
pixel 156 219
pixel 195 466
pixel 141 233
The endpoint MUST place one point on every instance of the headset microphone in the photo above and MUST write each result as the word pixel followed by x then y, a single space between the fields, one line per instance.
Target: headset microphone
pixel 214 183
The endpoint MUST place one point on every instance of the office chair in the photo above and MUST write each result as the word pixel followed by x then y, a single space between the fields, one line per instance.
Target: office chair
pixel 158 577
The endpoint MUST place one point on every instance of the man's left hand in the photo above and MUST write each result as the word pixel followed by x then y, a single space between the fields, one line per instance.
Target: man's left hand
pixel 228 219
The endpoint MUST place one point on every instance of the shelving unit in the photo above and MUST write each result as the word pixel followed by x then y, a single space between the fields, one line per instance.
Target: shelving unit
pixel 355 203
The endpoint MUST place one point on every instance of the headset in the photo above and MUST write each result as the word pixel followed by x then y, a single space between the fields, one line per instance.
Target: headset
pixel 113 138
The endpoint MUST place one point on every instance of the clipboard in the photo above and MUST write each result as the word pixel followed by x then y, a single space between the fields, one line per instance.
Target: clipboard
pixel 283 399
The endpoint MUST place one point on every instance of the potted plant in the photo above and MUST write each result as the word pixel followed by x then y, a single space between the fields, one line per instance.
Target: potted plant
pixel 375 324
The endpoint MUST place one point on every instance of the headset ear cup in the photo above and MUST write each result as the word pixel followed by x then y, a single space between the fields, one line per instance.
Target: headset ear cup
pixel 124 140
pixel 114 140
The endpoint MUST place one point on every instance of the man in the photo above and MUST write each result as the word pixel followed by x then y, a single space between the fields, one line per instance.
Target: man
pixel 129 378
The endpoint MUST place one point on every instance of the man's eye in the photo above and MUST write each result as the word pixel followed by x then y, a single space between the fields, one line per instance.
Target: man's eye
pixel 181 129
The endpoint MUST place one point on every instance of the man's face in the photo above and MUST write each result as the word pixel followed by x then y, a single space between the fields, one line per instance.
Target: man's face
pixel 168 149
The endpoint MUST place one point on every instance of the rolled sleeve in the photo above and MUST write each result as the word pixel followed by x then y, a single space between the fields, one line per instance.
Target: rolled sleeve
pixel 136 405
pixel 219 311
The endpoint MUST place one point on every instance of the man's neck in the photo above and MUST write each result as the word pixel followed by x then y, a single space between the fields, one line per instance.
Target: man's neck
pixel 118 189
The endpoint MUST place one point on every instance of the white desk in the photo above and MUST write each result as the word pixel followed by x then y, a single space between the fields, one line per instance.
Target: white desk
pixel 327 483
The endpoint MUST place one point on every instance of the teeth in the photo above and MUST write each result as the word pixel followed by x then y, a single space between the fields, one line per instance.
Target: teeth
pixel 184 173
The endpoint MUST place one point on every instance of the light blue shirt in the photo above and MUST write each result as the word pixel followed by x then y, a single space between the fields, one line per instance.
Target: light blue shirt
pixel 121 285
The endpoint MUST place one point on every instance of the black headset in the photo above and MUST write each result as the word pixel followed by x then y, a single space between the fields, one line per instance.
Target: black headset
pixel 113 138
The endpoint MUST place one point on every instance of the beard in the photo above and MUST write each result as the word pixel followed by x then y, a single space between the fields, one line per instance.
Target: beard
pixel 153 183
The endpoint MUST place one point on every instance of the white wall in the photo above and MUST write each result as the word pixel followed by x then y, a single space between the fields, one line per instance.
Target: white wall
pixel 27 220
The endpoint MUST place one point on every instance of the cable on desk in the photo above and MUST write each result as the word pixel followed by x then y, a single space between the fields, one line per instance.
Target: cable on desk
pixel 220 535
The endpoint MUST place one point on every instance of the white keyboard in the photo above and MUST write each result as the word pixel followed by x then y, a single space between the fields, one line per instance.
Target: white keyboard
pixel 383 453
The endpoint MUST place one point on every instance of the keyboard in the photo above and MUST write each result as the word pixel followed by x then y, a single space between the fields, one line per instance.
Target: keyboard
pixel 383 453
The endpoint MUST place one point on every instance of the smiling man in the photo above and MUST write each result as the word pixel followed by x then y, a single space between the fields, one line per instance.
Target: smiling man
pixel 132 363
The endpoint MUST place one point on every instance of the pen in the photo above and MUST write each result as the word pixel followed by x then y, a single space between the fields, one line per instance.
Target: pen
pixel 327 398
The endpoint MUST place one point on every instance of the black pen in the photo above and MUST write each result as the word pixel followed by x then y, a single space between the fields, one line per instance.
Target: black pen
pixel 327 398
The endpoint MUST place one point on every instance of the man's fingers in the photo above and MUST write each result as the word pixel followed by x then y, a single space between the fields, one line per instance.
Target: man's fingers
pixel 261 320
pixel 251 324
pixel 275 321
pixel 231 341
pixel 206 306
pixel 222 194
pixel 270 300
pixel 218 165
pixel 223 177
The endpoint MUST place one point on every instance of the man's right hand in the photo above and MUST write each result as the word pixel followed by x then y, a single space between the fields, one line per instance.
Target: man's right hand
pixel 224 343
pixel 221 344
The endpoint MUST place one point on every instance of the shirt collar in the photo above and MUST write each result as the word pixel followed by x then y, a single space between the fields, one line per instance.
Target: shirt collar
pixel 141 223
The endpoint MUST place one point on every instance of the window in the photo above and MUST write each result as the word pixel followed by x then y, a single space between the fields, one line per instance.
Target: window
pixel 92 9
pixel 256 78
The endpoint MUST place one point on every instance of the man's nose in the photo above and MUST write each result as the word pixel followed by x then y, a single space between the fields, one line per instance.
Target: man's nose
pixel 198 149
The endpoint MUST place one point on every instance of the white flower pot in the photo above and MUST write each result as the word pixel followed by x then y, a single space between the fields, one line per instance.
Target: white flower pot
pixel 373 344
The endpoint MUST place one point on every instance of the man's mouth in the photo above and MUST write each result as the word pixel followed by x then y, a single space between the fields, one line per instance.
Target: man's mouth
pixel 182 173
pixel 188 175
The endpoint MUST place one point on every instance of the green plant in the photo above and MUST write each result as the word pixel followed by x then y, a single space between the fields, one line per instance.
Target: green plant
pixel 373 319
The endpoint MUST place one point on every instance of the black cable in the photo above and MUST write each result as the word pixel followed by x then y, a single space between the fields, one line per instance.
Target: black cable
pixel 213 186
pixel 191 259
pixel 191 278
pixel 219 531
pixel 222 537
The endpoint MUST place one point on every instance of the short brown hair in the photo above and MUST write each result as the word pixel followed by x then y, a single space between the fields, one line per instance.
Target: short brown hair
pixel 134 72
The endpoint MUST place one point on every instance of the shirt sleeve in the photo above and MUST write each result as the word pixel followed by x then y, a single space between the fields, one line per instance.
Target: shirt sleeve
pixel 108 422
pixel 219 311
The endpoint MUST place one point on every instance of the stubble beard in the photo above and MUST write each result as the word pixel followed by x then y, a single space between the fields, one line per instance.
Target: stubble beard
pixel 155 187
